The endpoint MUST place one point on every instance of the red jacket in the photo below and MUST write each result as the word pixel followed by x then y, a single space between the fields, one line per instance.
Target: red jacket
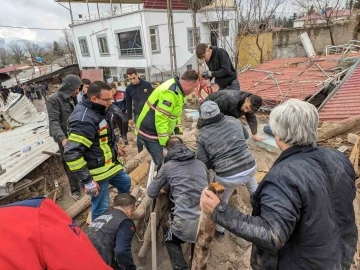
pixel 37 234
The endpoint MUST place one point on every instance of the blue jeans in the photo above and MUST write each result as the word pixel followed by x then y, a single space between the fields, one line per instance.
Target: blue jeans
pixel 155 150
pixel 101 203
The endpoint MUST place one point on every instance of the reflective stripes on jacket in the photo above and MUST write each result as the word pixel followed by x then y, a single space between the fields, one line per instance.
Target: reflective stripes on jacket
pixel 161 114
pixel 91 152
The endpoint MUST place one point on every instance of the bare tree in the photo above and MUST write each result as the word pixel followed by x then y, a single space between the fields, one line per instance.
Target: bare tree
pixel 256 17
pixel 49 55
pixel 4 57
pixel 17 52
pixel 68 47
pixel 110 9
pixel 34 50
pixel 327 11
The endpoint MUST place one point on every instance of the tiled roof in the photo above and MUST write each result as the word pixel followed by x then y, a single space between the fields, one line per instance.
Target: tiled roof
pixel 290 78
pixel 345 102
pixel 330 13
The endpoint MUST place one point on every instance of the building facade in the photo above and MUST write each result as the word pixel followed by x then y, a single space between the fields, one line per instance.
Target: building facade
pixel 139 38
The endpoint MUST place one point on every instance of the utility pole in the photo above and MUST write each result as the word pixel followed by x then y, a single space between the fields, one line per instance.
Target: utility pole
pixel 71 15
pixel 172 47
pixel 87 3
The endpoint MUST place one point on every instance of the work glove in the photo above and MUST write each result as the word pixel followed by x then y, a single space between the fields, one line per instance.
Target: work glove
pixel 92 188
pixel 207 74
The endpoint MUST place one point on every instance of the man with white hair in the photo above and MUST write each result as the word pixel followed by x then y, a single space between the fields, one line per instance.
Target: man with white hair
pixel 303 214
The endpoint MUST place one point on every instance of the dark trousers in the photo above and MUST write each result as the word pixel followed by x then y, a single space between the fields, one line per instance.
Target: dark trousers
pixel 123 124
pixel 139 144
pixel 233 85
pixel 74 184
pixel 38 95
pixel 173 245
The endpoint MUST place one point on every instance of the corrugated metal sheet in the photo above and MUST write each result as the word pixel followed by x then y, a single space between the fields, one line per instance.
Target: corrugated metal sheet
pixel 21 152
pixel 93 74
pixel 162 4
pixel 20 111
pixel 288 78
pixel 345 103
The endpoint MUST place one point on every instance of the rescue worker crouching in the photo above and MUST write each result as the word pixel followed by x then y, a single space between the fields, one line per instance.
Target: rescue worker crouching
pixel 91 152
pixel 161 114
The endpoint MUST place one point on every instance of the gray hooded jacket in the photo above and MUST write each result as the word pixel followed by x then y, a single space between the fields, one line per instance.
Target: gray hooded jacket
pixel 187 178
pixel 60 106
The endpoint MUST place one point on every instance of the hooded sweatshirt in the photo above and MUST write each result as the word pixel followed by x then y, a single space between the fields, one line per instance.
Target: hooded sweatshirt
pixel 60 106
pixel 187 178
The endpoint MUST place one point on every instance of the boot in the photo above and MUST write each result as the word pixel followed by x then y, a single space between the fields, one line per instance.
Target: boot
pixel 143 251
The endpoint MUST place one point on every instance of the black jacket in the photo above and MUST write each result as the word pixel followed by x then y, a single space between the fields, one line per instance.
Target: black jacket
pixel 59 107
pixel 187 178
pixel 138 94
pixel 91 138
pixel 221 67
pixel 303 214
pixel 111 234
pixel 229 102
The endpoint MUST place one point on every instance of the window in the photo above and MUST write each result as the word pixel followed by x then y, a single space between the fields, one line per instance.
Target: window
pixel 103 45
pixel 154 38
pixel 130 43
pixel 190 37
pixel 225 28
pixel 84 46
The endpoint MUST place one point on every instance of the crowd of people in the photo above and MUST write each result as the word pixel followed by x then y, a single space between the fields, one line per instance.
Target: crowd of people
pixel 32 91
pixel 303 214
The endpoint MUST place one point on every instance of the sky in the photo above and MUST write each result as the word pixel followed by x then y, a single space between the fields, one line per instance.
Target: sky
pixel 37 13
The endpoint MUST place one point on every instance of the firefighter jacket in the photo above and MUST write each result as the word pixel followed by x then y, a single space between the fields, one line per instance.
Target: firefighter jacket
pixel 91 151
pixel 161 114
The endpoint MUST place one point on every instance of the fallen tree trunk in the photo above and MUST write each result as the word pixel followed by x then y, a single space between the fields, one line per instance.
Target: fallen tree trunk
pixel 79 206
pixel 329 130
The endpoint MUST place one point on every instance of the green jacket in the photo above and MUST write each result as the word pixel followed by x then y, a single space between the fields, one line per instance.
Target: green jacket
pixel 161 114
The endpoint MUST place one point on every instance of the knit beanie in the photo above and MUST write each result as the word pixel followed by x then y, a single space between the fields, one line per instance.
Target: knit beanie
pixel 209 109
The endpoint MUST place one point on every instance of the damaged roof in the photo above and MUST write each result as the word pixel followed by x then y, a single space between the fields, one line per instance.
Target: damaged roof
pixel 286 78
pixel 344 103
pixel 22 145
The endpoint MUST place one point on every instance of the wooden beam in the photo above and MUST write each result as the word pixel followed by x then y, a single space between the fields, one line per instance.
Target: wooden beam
pixel 136 160
pixel 153 240
pixel 329 130
pixel 79 206
pixel 51 153
pixel 139 173
pixel 205 235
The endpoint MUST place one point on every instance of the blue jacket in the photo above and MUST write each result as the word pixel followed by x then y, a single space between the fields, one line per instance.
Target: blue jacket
pixel 138 94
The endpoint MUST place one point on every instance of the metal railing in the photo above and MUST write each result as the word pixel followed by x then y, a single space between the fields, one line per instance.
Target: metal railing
pixel 101 15
pixel 352 45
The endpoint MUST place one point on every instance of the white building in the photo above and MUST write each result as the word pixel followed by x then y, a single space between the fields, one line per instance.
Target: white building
pixel 137 36
pixel 321 18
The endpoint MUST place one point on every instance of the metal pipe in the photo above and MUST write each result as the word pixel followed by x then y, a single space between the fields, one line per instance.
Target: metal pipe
pixel 153 240
pixel 151 173
pixel 111 7
pixel 173 38
pixel 71 15
pixel 170 42
pixel 87 3
pixel 97 5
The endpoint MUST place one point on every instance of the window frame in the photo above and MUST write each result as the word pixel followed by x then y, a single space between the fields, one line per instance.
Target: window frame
pixel 117 39
pixel 224 25
pixel 191 30
pixel 158 49
pixel 80 39
pixel 98 38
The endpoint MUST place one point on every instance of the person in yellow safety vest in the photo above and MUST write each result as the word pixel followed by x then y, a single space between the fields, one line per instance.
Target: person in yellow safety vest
pixel 161 114
pixel 91 152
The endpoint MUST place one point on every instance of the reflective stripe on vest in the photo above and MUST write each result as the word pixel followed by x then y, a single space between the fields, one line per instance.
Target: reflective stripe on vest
pixel 76 164
pixel 102 169
pixel 160 110
pixel 107 174
pixel 80 139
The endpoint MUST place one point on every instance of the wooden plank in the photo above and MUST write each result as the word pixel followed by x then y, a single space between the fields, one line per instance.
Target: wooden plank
pixel 51 153
pixel 356 163
pixel 353 152
pixel 153 241
pixel 139 173
pixel 79 206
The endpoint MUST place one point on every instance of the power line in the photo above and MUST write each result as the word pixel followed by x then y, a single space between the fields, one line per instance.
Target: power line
pixel 33 28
